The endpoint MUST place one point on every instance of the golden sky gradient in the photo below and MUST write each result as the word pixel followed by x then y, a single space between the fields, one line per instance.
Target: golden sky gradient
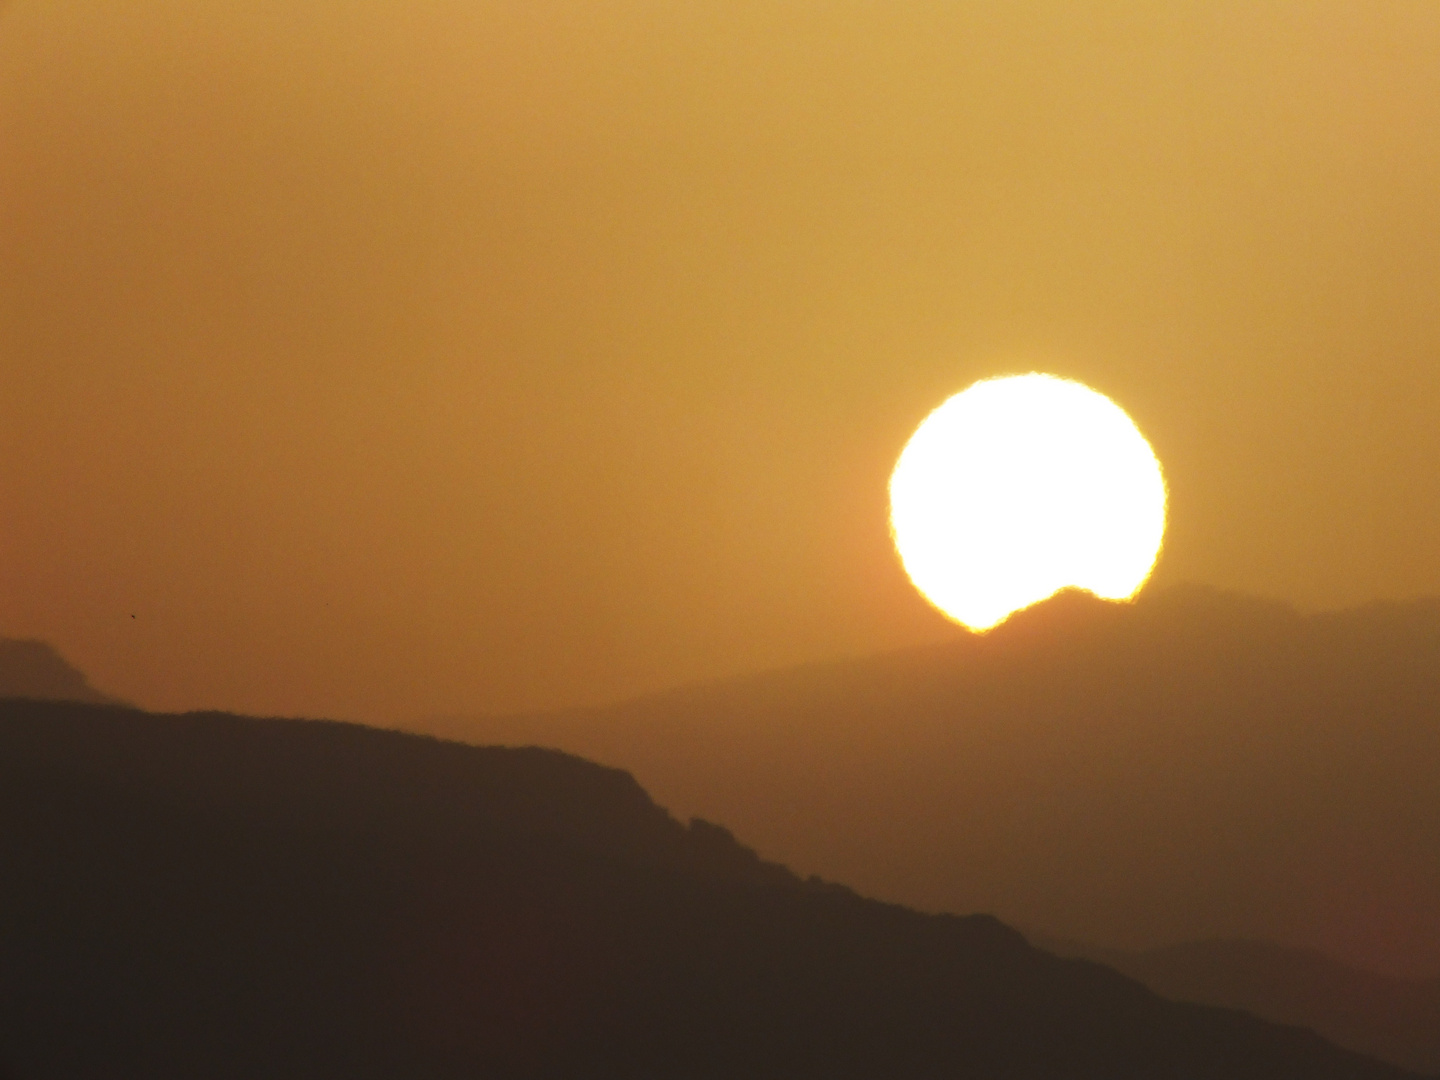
pixel 393 358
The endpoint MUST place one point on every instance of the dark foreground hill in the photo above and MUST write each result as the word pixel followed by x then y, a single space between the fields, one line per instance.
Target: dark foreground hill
pixel 1193 766
pixel 212 896
pixel 1392 1019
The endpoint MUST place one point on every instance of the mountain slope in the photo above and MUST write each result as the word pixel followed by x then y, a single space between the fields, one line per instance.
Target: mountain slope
pixel 1393 1019
pixel 1192 766
pixel 222 897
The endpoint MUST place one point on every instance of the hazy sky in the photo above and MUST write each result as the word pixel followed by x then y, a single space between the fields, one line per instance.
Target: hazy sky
pixel 383 358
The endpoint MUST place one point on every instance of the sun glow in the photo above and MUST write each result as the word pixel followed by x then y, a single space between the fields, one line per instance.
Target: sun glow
pixel 1019 487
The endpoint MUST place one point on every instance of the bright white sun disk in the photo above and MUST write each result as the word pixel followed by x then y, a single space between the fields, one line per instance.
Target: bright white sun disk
pixel 1019 487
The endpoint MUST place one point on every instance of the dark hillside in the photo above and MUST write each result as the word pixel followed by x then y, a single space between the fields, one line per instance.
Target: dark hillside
pixel 1392 1019
pixel 212 896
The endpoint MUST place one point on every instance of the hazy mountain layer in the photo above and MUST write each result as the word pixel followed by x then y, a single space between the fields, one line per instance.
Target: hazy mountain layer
pixel 211 896
pixel 1193 766
pixel 1395 1020
pixel 33 669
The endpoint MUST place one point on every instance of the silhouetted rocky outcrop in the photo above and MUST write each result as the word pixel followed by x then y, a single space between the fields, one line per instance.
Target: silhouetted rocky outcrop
pixel 214 896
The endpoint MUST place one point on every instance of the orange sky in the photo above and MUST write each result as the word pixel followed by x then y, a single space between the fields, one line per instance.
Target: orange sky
pixel 393 358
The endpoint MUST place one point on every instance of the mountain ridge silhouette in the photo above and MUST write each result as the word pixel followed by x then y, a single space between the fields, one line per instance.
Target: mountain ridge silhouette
pixel 1392 1019
pixel 225 896
pixel 1194 765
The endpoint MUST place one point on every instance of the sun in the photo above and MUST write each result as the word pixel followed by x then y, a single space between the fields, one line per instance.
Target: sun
pixel 1019 487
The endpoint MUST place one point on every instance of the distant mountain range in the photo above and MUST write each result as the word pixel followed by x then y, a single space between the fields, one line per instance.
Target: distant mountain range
pixel 1196 766
pixel 33 669
pixel 215 896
